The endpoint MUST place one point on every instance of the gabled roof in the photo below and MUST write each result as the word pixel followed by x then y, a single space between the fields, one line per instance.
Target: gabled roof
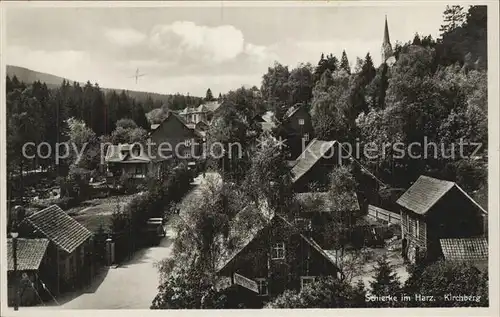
pixel 465 249
pixel 324 201
pixel 30 253
pixel 314 151
pixel 60 228
pixel 122 153
pixel 172 114
pixel 426 192
pixel 212 105
pixel 253 233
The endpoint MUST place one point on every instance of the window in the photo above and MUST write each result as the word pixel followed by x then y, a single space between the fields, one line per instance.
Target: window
pixel 306 280
pixel 306 136
pixel 301 121
pixel 417 233
pixel 303 224
pixel 187 142
pixel 138 170
pixel 278 252
pixel 262 285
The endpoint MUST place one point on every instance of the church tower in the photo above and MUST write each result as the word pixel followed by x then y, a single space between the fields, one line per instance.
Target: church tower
pixel 386 44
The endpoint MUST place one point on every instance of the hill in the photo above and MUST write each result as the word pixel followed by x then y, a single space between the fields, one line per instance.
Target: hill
pixel 29 76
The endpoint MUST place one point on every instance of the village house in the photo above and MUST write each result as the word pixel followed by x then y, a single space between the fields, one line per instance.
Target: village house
pixel 67 261
pixel 202 113
pixel 273 256
pixel 176 139
pixel 318 211
pixel 314 165
pixel 131 160
pixel 436 215
pixel 296 128
pixel 266 121
pixel 32 264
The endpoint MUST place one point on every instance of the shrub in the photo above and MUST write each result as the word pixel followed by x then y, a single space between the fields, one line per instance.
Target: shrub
pixel 442 278
pixel 326 292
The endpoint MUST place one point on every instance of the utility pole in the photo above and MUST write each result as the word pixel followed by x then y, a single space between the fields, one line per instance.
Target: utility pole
pixel 14 235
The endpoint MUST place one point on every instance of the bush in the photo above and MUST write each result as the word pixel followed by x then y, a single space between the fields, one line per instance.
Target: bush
pixel 66 202
pixel 442 278
pixel 326 292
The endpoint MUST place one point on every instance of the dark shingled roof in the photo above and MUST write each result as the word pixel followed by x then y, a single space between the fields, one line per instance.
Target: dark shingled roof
pixel 311 155
pixel 426 192
pixel 251 234
pixel 59 227
pixel 30 253
pixel 465 249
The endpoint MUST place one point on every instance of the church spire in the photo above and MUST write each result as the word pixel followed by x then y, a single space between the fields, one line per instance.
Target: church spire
pixel 386 43
pixel 386 33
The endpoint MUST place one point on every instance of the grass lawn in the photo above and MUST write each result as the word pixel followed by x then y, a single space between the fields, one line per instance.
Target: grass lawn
pixel 92 213
pixel 93 222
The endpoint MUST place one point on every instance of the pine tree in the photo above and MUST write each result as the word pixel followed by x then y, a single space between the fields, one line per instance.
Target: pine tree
pixel 416 40
pixel 453 17
pixel 344 63
pixel 209 96
pixel 332 63
pixel 368 71
pixel 320 68
pixel 386 281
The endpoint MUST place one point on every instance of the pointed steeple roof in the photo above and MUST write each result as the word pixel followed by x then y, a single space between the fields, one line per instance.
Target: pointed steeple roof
pixel 386 33
pixel 386 44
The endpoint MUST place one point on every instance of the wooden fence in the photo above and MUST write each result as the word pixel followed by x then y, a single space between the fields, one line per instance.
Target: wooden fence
pixel 384 215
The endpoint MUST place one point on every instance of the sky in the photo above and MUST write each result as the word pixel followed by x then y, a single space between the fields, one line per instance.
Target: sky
pixel 190 49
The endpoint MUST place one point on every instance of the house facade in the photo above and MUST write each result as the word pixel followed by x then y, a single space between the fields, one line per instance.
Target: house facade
pixel 313 166
pixel 69 262
pixel 297 129
pixel 202 113
pixel 320 213
pixel 176 139
pixel 432 210
pixel 275 258
pixel 131 160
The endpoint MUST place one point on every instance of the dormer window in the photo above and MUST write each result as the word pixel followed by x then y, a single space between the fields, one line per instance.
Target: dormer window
pixel 301 121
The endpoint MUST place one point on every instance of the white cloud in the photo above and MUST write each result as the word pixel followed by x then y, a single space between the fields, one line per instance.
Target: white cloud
pixel 124 37
pixel 209 44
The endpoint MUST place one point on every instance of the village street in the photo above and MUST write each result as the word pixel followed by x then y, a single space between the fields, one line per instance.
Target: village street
pixel 133 284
